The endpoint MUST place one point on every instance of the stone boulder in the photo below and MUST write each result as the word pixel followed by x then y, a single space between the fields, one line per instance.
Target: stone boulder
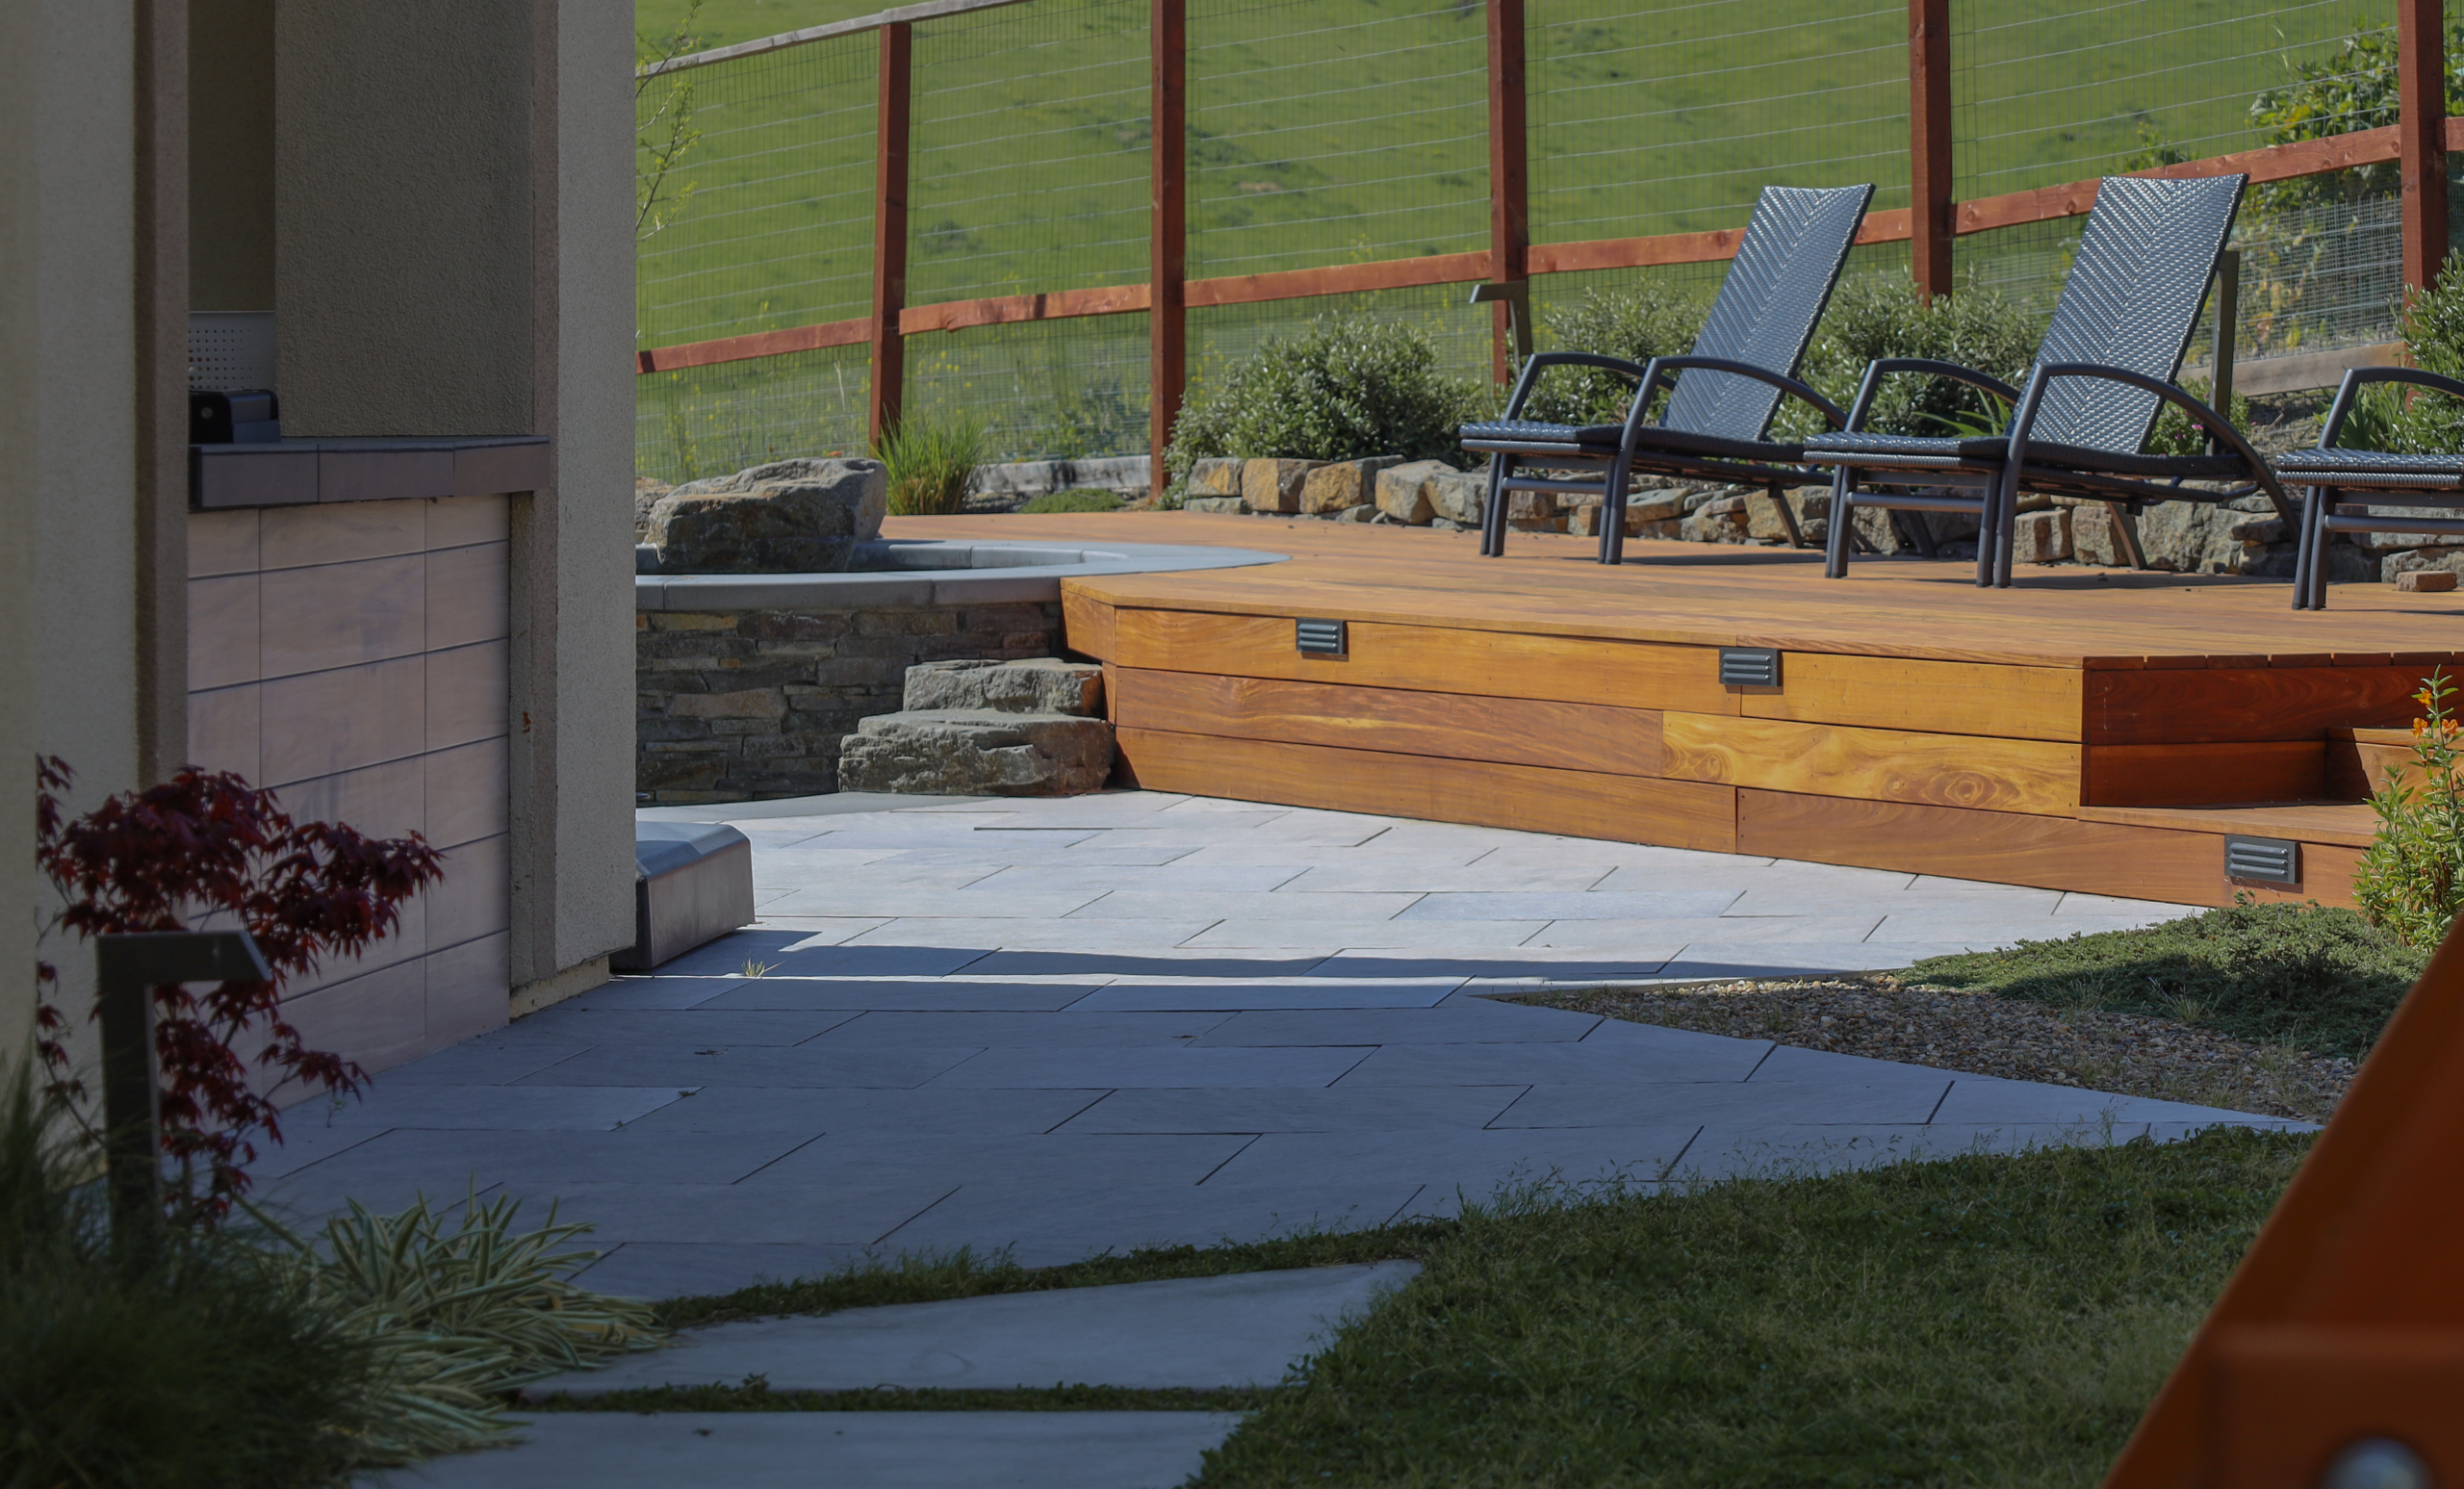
pixel 1459 496
pixel 976 752
pixel 787 517
pixel 1341 485
pixel 1274 485
pixel 1041 684
pixel 1215 476
pixel 647 489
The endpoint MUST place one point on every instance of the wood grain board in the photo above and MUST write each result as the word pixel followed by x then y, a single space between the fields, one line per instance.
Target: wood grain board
pixel 1995 847
pixel 1874 764
pixel 2088 730
pixel 1517 731
pixel 1944 698
pixel 1430 659
pixel 1570 803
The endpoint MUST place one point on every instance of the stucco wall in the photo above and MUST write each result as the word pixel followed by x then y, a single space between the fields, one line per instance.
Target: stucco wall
pixel 22 101
pixel 466 270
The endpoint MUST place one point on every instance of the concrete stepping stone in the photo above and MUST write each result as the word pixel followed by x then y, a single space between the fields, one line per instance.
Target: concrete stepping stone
pixel 835 1449
pixel 1197 1333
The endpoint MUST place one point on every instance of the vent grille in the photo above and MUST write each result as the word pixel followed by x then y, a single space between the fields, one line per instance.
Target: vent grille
pixel 2274 860
pixel 1749 666
pixel 1321 638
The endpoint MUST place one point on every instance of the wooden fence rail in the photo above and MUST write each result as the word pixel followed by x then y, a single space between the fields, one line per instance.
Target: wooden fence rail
pixel 2419 143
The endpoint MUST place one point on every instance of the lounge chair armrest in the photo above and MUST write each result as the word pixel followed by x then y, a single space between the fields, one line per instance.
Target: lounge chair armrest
pixel 1539 362
pixel 1882 366
pixel 2218 427
pixel 1662 366
pixel 2356 376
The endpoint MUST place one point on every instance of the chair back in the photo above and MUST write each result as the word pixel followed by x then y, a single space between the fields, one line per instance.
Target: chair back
pixel 2132 300
pixel 1794 246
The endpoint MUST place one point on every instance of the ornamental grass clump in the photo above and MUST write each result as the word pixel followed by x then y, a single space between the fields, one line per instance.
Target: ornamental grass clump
pixel 930 462
pixel 1352 387
pixel 2411 879
pixel 454 1317
pixel 174 1357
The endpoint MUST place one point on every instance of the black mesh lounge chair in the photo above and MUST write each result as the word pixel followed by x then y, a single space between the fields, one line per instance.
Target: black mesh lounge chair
pixel 1717 416
pixel 2103 372
pixel 2395 479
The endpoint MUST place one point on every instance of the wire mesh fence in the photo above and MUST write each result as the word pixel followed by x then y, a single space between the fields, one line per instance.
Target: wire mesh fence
pixel 1325 134
pixel 1668 117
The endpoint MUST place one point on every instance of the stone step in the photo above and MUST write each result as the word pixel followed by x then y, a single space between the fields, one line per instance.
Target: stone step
pixel 1035 684
pixel 976 752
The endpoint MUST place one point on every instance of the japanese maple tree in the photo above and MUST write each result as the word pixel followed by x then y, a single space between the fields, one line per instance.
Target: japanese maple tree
pixel 204 849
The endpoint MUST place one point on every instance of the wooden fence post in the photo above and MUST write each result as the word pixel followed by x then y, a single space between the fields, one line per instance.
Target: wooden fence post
pixel 887 393
pixel 1509 177
pixel 1167 225
pixel 2420 84
pixel 1929 146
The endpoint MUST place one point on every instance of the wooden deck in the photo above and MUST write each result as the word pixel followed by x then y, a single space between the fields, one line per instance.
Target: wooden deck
pixel 2088 730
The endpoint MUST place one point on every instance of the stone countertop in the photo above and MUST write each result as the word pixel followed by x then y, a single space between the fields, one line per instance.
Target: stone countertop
pixel 300 472
pixel 978 573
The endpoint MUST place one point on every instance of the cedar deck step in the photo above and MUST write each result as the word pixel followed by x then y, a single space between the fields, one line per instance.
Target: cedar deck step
pixel 2092 731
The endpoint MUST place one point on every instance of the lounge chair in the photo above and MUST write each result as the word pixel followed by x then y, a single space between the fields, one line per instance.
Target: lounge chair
pixel 2103 372
pixel 1747 357
pixel 2396 481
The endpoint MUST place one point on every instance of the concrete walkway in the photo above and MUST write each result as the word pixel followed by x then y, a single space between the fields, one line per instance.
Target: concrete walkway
pixel 1067 1027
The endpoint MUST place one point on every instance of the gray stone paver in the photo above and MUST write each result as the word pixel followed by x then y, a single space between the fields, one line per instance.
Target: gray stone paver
pixel 1075 1026
pixel 837 1450
pixel 1197 1333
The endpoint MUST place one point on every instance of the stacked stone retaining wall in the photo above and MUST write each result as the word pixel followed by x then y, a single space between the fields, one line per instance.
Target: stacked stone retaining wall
pixel 744 704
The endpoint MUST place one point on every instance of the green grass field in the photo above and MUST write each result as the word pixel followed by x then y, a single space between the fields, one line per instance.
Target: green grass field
pixel 1340 131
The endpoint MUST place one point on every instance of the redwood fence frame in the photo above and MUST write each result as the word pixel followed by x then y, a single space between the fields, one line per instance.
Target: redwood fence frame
pixel 2419 143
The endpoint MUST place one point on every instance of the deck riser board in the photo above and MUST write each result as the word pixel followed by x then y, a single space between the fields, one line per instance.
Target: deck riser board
pixel 1875 765
pixel 2205 775
pixel 1526 798
pixel 1431 658
pixel 1397 721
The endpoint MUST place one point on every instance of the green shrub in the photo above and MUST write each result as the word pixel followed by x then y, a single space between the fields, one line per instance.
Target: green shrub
pixel 184 1359
pixel 2175 434
pixel 930 462
pixel 1350 388
pixel 1882 315
pixel 1077 498
pixel 2417 419
pixel 2351 90
pixel 2411 879
pixel 1650 319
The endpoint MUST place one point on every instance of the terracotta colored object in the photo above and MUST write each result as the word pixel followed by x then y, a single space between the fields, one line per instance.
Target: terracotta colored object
pixel 2346 1320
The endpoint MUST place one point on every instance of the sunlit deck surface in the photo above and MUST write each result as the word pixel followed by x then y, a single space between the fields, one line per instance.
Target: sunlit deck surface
pixel 2089 728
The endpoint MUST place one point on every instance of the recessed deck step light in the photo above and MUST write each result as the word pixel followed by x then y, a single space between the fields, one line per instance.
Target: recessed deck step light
pixel 1321 638
pixel 1749 666
pixel 2274 860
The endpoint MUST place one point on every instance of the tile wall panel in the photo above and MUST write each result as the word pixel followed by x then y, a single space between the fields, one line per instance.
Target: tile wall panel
pixel 353 657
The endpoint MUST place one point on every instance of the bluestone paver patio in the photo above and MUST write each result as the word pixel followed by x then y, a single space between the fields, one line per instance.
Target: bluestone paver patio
pixel 1070 1026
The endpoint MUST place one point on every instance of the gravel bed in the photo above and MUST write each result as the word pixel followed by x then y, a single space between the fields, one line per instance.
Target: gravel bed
pixel 1983 1033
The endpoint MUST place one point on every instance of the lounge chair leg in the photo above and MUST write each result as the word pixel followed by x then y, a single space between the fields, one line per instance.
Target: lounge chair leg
pixel 1788 518
pixel 2323 506
pixel 1839 541
pixel 2126 534
pixel 2006 535
pixel 2302 548
pixel 1493 515
pixel 1612 511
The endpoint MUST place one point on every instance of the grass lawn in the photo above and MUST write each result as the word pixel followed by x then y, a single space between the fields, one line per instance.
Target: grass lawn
pixel 2313 979
pixel 1987 1320
pixel 1982 1321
